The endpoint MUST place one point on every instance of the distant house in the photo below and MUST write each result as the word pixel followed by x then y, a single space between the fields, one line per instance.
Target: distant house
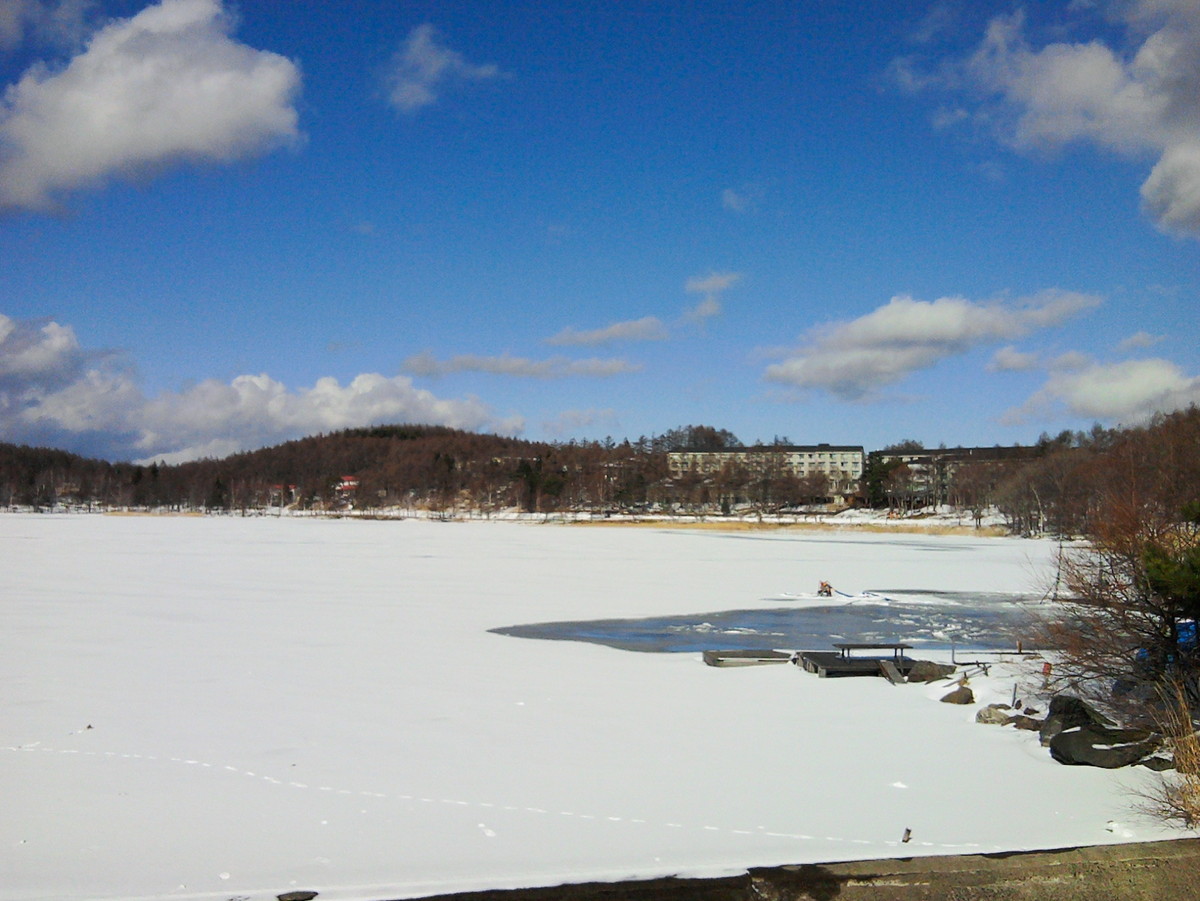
pixel 930 472
pixel 278 495
pixel 346 486
pixel 841 464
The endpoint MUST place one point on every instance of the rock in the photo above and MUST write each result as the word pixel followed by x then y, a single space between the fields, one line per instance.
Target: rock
pixel 1026 723
pixel 1158 764
pixel 1068 712
pixel 960 695
pixel 1102 746
pixel 993 715
pixel 928 671
pixel 297 896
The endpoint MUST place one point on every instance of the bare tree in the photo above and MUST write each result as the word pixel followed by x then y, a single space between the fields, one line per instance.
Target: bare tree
pixel 1128 634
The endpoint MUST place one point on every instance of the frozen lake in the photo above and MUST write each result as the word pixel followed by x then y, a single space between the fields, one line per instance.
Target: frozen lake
pixel 218 707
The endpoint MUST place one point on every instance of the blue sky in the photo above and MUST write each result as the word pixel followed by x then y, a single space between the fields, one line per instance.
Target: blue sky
pixel 223 226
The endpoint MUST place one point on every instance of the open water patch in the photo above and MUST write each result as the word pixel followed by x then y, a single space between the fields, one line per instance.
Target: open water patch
pixel 974 622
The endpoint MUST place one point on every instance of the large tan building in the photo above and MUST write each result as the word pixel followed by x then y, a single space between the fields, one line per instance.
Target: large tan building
pixel 842 465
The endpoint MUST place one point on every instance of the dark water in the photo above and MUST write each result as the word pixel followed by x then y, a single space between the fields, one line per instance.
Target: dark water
pixel 925 619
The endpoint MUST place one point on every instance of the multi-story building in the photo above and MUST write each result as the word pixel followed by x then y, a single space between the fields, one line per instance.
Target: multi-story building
pixel 928 473
pixel 841 465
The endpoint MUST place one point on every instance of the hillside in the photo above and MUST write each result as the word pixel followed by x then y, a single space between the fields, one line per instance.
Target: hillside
pixel 1053 487
pixel 419 465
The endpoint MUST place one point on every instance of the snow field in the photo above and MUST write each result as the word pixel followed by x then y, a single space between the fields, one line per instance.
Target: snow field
pixel 286 703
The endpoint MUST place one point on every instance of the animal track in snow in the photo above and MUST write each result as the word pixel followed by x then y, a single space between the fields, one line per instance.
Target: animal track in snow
pixel 482 805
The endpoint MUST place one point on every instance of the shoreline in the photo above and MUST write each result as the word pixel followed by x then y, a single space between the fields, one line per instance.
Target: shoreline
pixel 930 524
pixel 1163 870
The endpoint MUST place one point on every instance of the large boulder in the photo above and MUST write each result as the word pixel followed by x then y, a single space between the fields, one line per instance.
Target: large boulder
pixel 1068 712
pixel 960 695
pixel 1102 746
pixel 928 671
pixel 994 715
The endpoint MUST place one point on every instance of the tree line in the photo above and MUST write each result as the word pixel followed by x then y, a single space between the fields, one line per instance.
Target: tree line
pixel 1126 625
pixel 1048 488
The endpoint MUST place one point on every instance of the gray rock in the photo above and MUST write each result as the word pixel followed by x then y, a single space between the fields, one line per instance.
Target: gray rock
pixel 1102 746
pixel 1026 723
pixel 1158 764
pixel 1068 712
pixel 960 695
pixel 928 671
pixel 994 715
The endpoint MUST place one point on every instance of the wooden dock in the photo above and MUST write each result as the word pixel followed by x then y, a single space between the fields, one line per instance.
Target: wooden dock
pixel 745 657
pixel 843 662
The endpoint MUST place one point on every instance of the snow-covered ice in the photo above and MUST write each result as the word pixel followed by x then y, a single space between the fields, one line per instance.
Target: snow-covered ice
pixel 223 707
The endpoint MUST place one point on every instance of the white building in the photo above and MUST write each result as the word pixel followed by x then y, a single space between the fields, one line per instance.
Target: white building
pixel 842 465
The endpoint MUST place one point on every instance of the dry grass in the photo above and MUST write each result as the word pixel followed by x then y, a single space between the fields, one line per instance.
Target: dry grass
pixel 741 525
pixel 1176 797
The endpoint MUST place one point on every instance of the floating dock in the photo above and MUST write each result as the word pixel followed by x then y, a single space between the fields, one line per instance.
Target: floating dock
pixel 745 657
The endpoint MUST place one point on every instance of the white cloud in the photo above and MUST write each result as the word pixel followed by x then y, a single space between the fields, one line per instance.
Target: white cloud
pixel 706 309
pixel 1139 340
pixel 258 410
pixel 853 360
pixel 745 198
pixel 648 328
pixel 1009 359
pixel 425 364
pixel 939 19
pixel 734 201
pixel 712 286
pixel 1144 100
pixel 165 86
pixel 714 283
pixel 1071 361
pixel 651 328
pixel 60 23
pixel 422 68
pixel 53 391
pixel 37 350
pixel 1126 392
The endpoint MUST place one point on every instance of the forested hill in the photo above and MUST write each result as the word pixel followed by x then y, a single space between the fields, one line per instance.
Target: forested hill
pixel 1056 486
pixel 418 465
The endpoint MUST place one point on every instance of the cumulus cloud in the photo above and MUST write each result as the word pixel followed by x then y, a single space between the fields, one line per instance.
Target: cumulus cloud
pixel 53 391
pixel 37 351
pixel 854 360
pixel 648 328
pixel 423 67
pixel 164 86
pixel 425 364
pixel 1139 100
pixel 1126 392
pixel 258 410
